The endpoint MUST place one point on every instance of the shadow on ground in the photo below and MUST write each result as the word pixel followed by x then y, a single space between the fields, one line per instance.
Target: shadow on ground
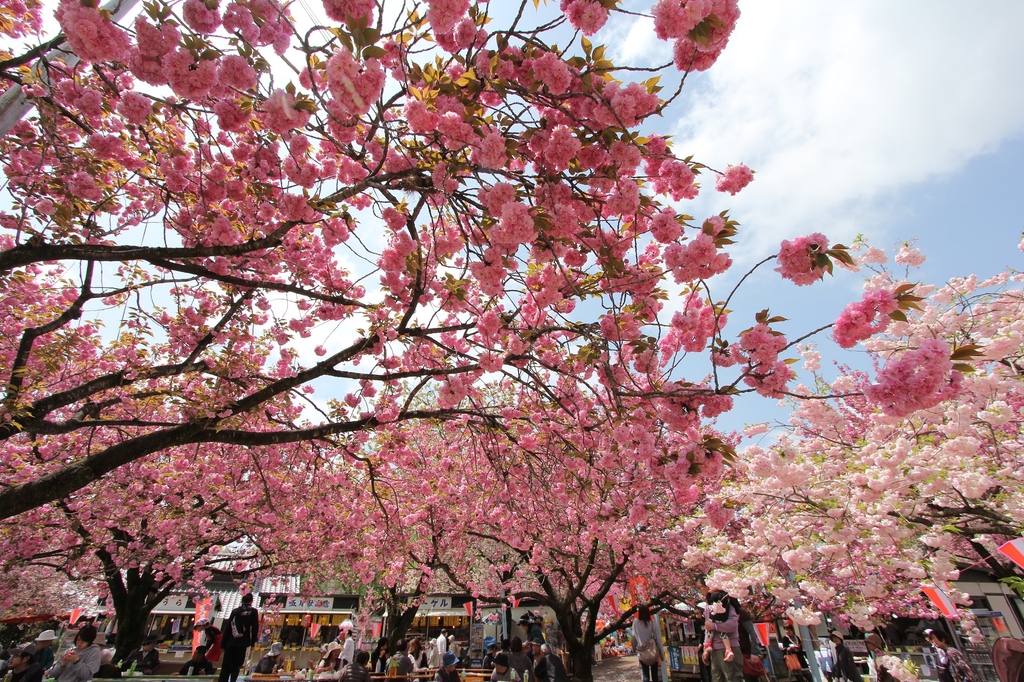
pixel 621 669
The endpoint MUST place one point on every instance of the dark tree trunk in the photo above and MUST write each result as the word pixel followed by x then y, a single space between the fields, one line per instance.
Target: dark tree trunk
pixel 579 642
pixel 400 616
pixel 134 593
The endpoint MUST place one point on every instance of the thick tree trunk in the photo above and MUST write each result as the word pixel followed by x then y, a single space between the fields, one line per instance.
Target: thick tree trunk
pixel 582 661
pixel 399 624
pixel 579 643
pixel 131 623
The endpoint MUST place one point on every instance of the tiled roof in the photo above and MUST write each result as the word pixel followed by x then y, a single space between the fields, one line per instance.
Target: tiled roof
pixel 279 584
pixel 230 600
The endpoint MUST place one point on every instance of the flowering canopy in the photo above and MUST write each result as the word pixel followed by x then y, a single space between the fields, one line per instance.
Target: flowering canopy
pixel 196 235
pixel 866 501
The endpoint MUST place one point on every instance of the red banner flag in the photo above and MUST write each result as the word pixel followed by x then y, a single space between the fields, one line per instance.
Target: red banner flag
pixel 515 602
pixel 314 629
pixel 469 608
pixel 762 632
pixel 1014 551
pixel 204 609
pixel 941 600
pixel 75 615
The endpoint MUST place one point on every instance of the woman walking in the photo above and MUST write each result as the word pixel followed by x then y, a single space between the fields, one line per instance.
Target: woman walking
pixel 647 644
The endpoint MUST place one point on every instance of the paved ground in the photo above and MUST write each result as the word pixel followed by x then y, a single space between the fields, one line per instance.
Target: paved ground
pixel 621 669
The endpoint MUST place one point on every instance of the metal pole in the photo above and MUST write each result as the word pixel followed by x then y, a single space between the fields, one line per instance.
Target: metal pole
pixel 13 103
pixel 805 639
pixel 504 627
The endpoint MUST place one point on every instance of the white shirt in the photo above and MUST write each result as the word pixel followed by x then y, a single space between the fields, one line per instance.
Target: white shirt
pixel 348 651
pixel 442 645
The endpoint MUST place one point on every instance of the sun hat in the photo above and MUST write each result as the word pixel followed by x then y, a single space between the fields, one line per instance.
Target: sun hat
pixel 202 623
pixel 46 636
pixel 275 649
pixel 449 659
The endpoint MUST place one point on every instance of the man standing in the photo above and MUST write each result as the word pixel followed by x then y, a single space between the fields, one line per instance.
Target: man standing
pixel 442 643
pixel 348 643
pixel 146 658
pixel 23 667
pixel 845 667
pixel 241 630
pixel 44 648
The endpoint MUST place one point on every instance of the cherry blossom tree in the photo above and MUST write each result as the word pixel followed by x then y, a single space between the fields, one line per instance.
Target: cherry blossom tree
pixel 172 521
pixel 214 213
pixel 896 481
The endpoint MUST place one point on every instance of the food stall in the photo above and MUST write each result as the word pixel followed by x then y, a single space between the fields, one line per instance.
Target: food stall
pixel 302 624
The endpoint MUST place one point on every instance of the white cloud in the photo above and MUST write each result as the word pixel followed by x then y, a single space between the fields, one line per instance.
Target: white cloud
pixel 838 106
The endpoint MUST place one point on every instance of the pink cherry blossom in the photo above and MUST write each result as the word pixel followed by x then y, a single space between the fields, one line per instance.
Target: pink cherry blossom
pixel 199 17
pixel 92 37
pixel 919 379
pixel 443 15
pixel 589 16
pixel 864 318
pixel 796 259
pixel 734 179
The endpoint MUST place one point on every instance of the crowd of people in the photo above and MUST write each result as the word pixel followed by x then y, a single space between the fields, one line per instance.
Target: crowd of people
pixel 731 650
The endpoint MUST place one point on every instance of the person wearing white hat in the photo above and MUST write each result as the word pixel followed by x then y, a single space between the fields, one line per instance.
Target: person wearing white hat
pixel 329 663
pixel 268 664
pixel 348 643
pixel 44 650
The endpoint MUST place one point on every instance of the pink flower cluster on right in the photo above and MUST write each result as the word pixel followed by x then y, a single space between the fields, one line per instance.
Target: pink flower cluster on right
pixel 920 379
pixel 863 318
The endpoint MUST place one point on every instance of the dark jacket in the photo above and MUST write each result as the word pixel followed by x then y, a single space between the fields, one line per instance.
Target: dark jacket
pixel 45 657
pixel 556 669
pixel 266 665
pixel 145 661
pixel 108 670
pixel 445 676
pixel 402 662
pixel 33 673
pixel 245 621
pixel 521 663
pixel 845 665
pixel 353 672
pixel 203 667
pixel 541 670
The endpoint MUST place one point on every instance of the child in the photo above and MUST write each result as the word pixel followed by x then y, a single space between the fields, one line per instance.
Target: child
pixel 719 605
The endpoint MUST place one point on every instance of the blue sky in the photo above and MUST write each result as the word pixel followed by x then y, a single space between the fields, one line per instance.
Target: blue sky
pixel 897 121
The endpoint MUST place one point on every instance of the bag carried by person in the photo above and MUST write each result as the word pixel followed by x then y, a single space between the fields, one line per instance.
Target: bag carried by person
pixel 753 667
pixel 793 662
pixel 648 652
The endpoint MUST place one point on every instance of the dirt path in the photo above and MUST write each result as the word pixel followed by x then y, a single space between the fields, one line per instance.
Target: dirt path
pixel 621 669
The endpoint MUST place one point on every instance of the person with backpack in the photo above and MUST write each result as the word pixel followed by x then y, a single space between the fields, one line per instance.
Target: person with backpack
pixel 241 630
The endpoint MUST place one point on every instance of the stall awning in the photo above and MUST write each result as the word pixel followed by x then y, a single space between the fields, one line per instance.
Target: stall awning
pixel 174 605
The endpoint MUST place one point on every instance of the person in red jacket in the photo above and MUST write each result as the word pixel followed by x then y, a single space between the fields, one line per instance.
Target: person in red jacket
pixel 211 639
